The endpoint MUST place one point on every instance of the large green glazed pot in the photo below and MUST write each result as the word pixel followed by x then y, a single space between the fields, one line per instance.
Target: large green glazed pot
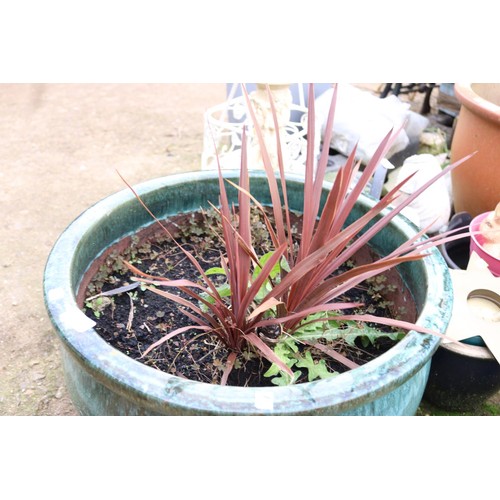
pixel 103 381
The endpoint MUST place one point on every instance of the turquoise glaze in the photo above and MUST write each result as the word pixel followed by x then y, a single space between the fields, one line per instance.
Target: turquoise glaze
pixel 103 381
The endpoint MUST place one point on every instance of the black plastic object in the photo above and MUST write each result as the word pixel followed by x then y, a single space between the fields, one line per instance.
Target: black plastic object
pixel 456 253
pixel 462 377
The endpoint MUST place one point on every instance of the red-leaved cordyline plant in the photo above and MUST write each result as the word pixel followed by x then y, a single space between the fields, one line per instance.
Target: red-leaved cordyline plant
pixel 307 284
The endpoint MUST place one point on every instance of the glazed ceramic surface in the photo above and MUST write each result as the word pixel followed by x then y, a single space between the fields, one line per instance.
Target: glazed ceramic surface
pixel 103 381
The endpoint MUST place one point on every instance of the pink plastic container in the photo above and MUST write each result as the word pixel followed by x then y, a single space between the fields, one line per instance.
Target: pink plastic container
pixel 476 242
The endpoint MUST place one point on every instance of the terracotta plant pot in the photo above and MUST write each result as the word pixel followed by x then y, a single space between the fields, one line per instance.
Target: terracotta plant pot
pixel 476 184
pixel 104 381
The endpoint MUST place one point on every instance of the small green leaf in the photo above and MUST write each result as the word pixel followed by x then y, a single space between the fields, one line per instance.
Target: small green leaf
pixel 224 291
pixel 262 262
pixel 285 350
pixel 314 369
pixel 215 270
pixel 284 379
pixel 349 331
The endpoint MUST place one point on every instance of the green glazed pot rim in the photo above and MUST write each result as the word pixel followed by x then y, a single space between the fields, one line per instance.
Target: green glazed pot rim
pixel 123 374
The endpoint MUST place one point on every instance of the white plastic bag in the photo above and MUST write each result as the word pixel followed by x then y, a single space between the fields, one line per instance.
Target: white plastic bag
pixel 362 117
pixel 433 206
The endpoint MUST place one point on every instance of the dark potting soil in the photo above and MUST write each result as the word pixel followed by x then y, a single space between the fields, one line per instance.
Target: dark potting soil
pixel 134 319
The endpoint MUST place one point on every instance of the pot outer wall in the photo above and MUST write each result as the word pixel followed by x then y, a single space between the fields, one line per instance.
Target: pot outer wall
pixel 476 183
pixel 104 381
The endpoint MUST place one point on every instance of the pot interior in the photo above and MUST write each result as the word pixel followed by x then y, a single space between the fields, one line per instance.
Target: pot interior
pixel 114 232
pixel 488 91
pixel 399 295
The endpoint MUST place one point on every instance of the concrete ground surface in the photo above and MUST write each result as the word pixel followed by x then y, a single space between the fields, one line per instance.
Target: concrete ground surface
pixel 60 147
